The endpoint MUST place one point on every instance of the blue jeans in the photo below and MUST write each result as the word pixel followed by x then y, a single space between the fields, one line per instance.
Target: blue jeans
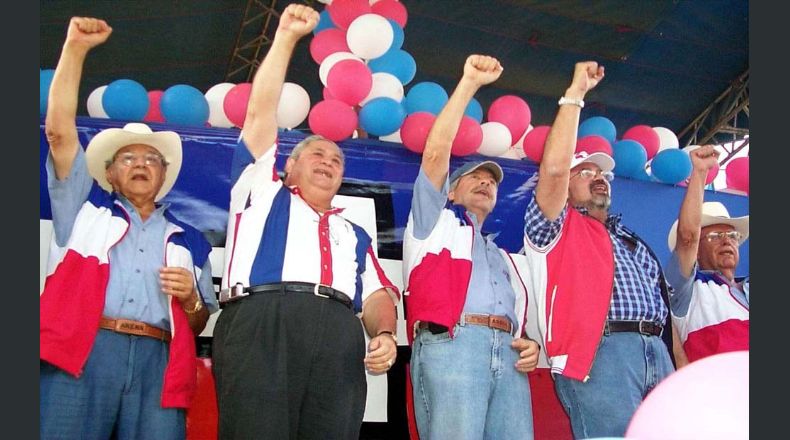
pixel 118 394
pixel 468 387
pixel 627 366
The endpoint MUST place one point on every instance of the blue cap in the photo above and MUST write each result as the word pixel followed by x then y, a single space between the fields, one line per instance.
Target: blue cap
pixel 470 167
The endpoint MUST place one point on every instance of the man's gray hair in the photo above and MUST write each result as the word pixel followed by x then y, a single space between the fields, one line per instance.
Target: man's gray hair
pixel 312 138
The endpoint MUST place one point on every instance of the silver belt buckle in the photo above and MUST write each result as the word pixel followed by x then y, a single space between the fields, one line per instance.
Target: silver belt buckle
pixel 233 293
pixel 317 293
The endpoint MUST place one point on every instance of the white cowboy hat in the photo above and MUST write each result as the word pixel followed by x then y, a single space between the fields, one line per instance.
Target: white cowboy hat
pixel 603 160
pixel 714 213
pixel 104 145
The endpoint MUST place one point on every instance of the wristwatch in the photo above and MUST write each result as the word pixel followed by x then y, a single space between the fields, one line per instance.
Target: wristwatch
pixel 387 332
pixel 573 101
pixel 198 307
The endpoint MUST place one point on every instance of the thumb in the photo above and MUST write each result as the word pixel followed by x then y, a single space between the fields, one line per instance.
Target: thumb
pixel 374 344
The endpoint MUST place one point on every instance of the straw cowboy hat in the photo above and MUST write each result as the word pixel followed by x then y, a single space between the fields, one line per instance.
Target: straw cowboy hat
pixel 714 213
pixel 104 145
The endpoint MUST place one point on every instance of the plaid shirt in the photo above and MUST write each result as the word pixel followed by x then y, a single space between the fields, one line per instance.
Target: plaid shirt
pixel 637 291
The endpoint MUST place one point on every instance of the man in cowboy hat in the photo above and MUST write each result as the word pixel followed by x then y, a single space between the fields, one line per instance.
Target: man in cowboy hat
pixel 129 285
pixel 710 305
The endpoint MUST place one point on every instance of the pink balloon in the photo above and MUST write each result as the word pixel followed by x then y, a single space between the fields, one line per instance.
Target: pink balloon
pixel 326 43
pixel 737 174
pixel 645 135
pixel 391 9
pixel 235 103
pixel 332 119
pixel 594 143
pixel 414 131
pixel 513 112
pixel 154 110
pixel 468 137
pixel 343 12
pixel 349 81
pixel 534 142
pixel 712 173
pixel 327 94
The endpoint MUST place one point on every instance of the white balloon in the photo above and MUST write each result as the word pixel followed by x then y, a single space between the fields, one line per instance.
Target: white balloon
pixel 326 2
pixel 666 138
pixel 369 36
pixel 215 96
pixel 392 137
pixel 95 107
pixel 385 85
pixel 496 139
pixel 331 60
pixel 512 153
pixel 519 145
pixel 293 107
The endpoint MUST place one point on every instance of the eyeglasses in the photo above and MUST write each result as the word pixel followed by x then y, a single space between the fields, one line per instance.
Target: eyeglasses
pixel 715 237
pixel 588 174
pixel 149 159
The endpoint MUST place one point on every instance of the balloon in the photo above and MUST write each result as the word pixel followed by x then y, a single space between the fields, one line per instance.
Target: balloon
pixel 706 399
pixel 327 43
pixel 125 99
pixel 327 94
pixel 671 166
pixel 645 135
pixel 397 62
pixel 215 96
pixel 397 35
pixel 426 96
pixel 381 116
pixel 496 139
pixel 235 103
pixel 666 138
pixel 598 125
pixel 629 156
pixel 511 153
pixel 511 111
pixel 385 85
pixel 44 81
pixel 394 137
pixel 593 143
pixel 293 106
pixel 185 105
pixel 737 174
pixel 468 137
pixel 349 81
pixel 331 60
pixel 534 142
pixel 474 110
pixel 332 119
pixel 324 22
pixel 392 9
pixel 343 12
pixel 369 36
pixel 154 113
pixel 95 107
pixel 642 174
pixel 414 131
pixel 518 146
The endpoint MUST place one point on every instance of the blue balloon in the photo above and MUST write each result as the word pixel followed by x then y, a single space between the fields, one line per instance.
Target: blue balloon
pixel 671 165
pixel 598 125
pixel 125 99
pixel 397 36
pixel 185 105
pixel 629 157
pixel 474 110
pixel 641 174
pixel 397 62
pixel 426 96
pixel 324 22
pixel 44 81
pixel 381 116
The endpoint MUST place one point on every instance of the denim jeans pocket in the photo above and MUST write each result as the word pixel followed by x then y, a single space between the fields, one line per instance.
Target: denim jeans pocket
pixel 426 337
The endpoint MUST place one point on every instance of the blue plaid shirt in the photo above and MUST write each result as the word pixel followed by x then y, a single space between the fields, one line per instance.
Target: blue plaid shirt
pixel 637 290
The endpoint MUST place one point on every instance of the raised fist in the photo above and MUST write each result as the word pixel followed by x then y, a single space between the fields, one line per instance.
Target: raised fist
pixel 586 75
pixel 87 32
pixel 297 21
pixel 482 69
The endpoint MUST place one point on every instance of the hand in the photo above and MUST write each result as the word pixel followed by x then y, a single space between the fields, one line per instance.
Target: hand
pixel 586 76
pixel 297 21
pixel 704 158
pixel 87 32
pixel 528 354
pixel 482 69
pixel 178 282
pixel 382 351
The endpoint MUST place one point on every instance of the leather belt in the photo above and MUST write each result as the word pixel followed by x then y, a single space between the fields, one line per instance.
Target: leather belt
pixel 129 327
pixel 644 327
pixel 239 291
pixel 493 321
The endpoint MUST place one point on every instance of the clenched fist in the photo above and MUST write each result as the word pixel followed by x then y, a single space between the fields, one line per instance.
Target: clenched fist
pixel 482 69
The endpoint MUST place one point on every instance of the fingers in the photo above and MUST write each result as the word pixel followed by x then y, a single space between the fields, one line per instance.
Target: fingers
pixel 381 354
pixel 484 63
pixel 90 25
pixel 176 281
pixel 528 354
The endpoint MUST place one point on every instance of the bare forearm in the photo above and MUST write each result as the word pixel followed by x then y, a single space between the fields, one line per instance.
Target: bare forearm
pixel 379 313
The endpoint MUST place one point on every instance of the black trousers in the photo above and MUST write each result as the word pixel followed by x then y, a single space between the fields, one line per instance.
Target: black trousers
pixel 289 366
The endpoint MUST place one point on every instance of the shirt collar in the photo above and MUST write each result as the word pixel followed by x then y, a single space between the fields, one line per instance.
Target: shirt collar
pixel 159 206
pixel 612 220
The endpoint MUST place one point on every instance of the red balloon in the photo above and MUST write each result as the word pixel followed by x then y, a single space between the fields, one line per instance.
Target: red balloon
pixel 468 137
pixel 235 103
pixel 332 119
pixel 593 144
pixel 534 142
pixel 414 131
pixel 349 81
pixel 645 135
pixel 327 94
pixel 712 173
pixel 343 12
pixel 513 112
pixel 737 174
pixel 154 110
pixel 391 9
pixel 326 43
